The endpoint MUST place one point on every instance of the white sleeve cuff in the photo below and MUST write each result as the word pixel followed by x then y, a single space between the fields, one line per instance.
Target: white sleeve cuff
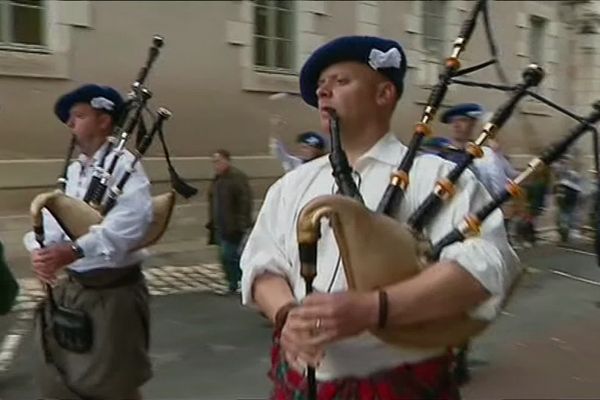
pixel 264 249
pixel 250 274
pixel 92 246
pixel 29 242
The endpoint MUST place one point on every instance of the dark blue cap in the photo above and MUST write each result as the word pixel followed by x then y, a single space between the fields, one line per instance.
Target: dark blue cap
pixel 436 142
pixel 373 51
pixel 103 98
pixel 312 139
pixel 470 110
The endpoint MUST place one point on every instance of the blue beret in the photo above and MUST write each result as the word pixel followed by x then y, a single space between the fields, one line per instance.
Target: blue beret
pixel 470 110
pixel 312 139
pixel 102 98
pixel 374 51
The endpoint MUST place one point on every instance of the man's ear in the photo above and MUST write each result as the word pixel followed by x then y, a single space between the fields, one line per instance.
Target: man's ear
pixel 386 93
pixel 105 121
pixel 473 124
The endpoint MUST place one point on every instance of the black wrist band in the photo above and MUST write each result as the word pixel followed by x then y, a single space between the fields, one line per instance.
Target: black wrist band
pixel 383 309
pixel 77 250
pixel 282 314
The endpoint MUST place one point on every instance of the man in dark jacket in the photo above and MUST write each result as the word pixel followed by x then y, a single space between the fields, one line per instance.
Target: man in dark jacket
pixel 230 214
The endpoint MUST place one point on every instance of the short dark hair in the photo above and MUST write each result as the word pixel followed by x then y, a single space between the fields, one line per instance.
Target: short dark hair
pixel 223 153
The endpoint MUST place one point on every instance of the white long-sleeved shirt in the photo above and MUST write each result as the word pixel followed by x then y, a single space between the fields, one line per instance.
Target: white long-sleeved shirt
pixel 494 170
pixel 288 161
pixel 108 244
pixel 272 245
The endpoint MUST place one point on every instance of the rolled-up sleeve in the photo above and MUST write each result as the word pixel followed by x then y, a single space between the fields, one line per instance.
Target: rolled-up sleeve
pixel 488 257
pixel 264 250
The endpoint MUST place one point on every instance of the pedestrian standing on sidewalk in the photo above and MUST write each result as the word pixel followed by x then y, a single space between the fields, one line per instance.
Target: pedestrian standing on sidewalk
pixel 567 192
pixel 536 190
pixel 230 214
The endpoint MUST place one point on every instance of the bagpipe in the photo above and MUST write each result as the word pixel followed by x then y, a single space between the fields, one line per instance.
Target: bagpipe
pixel 72 328
pixel 76 216
pixel 375 248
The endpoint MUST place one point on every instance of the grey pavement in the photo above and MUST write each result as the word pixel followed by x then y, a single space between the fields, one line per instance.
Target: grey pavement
pixel 545 346
pixel 205 345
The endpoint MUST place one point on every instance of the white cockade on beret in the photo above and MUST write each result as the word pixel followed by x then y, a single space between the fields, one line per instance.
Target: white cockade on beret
pixel 389 59
pixel 312 141
pixel 102 103
pixel 475 113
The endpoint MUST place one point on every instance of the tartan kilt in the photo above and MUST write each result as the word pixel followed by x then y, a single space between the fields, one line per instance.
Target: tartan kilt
pixel 430 379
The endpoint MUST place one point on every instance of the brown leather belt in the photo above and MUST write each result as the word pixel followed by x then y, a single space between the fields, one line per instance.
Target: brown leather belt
pixel 106 278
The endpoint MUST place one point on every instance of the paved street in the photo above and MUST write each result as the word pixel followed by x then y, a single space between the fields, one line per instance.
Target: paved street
pixel 206 346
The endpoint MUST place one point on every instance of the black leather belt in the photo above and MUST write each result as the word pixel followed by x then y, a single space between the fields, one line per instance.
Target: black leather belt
pixel 106 278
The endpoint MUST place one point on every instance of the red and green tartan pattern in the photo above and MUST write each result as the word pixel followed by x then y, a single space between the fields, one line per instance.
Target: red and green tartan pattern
pixel 428 380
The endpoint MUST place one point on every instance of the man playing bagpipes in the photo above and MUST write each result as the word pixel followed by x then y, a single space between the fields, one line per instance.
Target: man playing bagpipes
pixel 92 336
pixel 362 79
pixel 492 169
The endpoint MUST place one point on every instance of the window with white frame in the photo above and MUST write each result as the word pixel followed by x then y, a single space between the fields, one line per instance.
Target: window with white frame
pixel 274 41
pixel 537 33
pixel 434 28
pixel 23 24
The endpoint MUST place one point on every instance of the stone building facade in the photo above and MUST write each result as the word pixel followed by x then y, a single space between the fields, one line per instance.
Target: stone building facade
pixel 223 59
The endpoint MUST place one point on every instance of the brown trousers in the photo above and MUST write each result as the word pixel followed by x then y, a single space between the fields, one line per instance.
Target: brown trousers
pixel 118 362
